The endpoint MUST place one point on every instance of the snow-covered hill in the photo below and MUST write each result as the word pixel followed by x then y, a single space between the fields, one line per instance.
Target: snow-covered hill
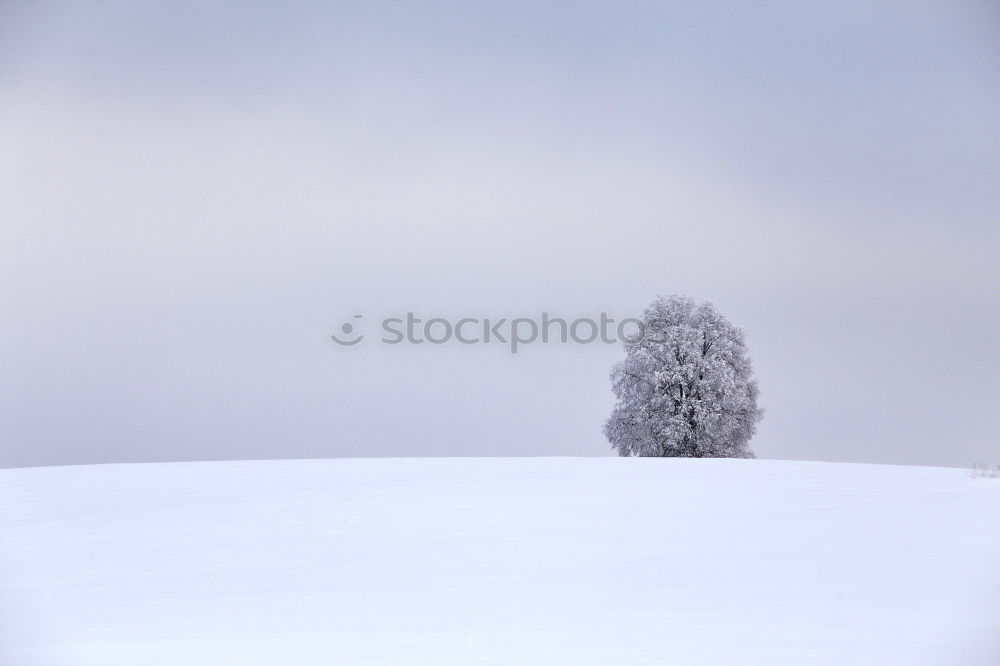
pixel 498 561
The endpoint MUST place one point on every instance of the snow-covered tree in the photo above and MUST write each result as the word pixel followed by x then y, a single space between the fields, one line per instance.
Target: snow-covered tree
pixel 686 386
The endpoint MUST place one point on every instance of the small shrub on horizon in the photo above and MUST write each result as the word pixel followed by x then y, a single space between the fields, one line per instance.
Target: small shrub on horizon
pixel 985 470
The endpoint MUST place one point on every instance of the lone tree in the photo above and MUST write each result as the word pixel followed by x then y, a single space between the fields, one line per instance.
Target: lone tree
pixel 686 386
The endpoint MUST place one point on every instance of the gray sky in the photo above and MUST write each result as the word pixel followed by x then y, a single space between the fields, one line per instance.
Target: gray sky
pixel 192 199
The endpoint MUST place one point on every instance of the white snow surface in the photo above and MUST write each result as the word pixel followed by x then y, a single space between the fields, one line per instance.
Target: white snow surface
pixel 506 561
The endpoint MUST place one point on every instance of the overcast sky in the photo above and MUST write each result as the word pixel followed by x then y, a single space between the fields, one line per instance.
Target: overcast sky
pixel 193 198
